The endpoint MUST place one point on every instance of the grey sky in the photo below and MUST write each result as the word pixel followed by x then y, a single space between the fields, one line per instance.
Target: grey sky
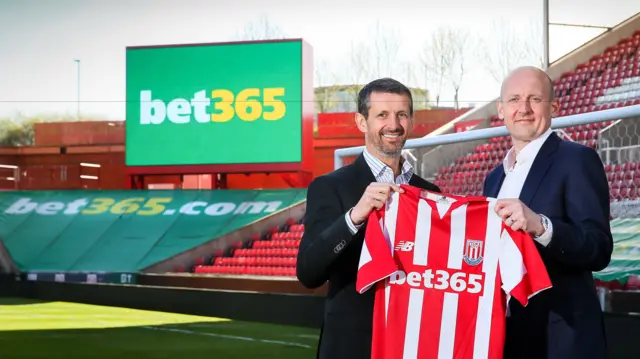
pixel 39 40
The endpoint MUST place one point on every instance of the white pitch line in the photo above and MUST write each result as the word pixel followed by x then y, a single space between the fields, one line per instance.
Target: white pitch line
pixel 308 336
pixel 190 332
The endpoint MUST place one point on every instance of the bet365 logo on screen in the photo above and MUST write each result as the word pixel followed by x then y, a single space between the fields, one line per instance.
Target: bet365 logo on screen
pixel 221 106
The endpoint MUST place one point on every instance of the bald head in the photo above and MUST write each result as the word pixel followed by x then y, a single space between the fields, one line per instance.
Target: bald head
pixel 524 71
pixel 527 104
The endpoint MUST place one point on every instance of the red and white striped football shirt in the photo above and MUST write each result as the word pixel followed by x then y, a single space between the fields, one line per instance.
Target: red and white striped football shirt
pixel 443 268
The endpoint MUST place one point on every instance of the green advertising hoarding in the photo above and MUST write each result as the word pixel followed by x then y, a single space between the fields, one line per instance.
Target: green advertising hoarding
pixel 214 104
pixel 124 231
pixel 625 259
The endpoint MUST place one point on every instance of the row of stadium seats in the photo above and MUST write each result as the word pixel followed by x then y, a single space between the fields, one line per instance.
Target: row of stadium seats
pixel 272 254
pixel 607 80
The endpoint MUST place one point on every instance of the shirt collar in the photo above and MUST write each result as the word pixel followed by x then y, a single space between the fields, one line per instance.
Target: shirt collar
pixel 378 167
pixel 528 153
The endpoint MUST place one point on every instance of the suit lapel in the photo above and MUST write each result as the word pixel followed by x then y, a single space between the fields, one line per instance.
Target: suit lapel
pixel 494 188
pixel 413 181
pixel 539 169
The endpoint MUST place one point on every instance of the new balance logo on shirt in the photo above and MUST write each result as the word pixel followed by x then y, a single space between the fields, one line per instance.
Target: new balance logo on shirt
pixel 404 246
pixel 439 290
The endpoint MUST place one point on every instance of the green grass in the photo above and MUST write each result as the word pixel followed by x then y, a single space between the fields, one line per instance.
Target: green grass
pixel 34 329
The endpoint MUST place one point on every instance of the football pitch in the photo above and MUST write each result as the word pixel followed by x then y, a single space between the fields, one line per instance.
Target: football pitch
pixel 39 329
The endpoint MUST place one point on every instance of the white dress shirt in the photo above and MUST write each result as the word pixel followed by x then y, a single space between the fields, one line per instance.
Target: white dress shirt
pixel 516 168
pixel 382 173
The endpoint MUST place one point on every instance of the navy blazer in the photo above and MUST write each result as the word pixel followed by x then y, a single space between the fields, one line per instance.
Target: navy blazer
pixel 568 184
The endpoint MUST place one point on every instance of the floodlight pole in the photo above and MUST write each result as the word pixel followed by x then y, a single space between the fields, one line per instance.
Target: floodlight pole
pixel 545 34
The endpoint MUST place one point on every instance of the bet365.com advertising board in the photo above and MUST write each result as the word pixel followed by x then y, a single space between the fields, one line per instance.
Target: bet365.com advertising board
pixel 215 104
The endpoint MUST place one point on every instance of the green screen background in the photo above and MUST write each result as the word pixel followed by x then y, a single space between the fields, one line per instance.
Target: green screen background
pixel 179 72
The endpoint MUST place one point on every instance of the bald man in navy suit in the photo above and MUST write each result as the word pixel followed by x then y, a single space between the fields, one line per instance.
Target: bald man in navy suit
pixel 557 191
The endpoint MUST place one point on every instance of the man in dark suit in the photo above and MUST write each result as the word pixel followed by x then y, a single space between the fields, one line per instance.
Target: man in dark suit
pixel 338 205
pixel 557 191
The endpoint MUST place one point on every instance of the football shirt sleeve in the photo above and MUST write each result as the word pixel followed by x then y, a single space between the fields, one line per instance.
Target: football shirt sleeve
pixel 376 260
pixel 522 271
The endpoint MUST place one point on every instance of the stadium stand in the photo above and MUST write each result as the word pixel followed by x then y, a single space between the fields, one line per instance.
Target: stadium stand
pixel 607 80
pixel 273 253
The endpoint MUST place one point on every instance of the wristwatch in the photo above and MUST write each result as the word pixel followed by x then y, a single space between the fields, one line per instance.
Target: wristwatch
pixel 545 223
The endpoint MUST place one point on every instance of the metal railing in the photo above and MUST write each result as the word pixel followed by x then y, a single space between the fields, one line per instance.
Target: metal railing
pixel 487 133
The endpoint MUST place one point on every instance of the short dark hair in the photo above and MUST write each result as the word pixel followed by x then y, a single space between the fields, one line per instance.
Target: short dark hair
pixel 385 85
